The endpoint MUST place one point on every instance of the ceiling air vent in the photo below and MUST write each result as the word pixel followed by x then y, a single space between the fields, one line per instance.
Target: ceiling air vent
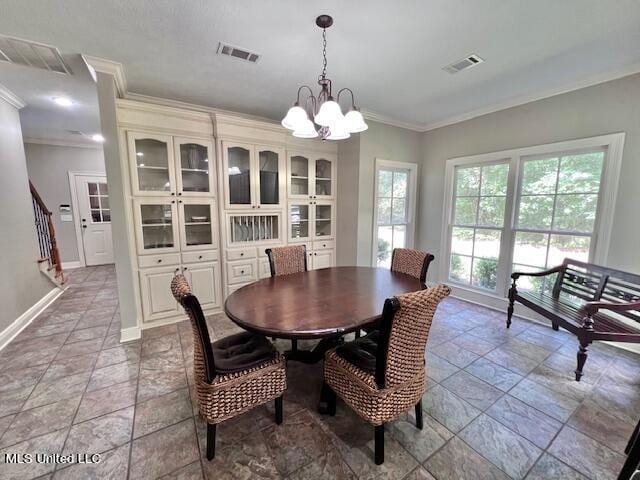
pixel 458 66
pixel 32 54
pixel 241 53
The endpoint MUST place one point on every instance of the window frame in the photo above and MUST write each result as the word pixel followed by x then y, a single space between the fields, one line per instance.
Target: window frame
pixel 613 147
pixel 412 168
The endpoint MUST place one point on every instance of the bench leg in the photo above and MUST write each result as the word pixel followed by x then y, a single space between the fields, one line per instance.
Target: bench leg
pixel 582 358
pixel 555 326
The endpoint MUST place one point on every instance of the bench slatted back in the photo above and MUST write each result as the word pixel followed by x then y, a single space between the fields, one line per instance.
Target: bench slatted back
pixel 589 282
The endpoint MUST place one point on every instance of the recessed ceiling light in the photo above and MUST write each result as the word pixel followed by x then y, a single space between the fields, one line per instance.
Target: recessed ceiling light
pixel 63 101
pixel 97 138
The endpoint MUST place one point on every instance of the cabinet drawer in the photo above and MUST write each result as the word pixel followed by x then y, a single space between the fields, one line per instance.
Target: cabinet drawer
pixel 324 244
pixel 158 260
pixel 241 271
pixel 194 257
pixel 241 254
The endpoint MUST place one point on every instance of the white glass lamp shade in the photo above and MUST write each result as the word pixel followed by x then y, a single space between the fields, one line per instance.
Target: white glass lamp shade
pixel 329 114
pixel 355 122
pixel 339 130
pixel 306 129
pixel 295 117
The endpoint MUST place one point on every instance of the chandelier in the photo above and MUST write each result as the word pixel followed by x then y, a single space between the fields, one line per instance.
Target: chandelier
pixel 323 108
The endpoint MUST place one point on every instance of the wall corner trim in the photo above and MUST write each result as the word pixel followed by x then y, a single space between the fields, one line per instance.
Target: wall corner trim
pixel 102 65
pixel 27 317
pixel 11 98
pixel 130 334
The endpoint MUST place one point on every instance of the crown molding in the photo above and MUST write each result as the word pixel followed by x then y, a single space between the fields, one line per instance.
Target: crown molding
pixel 61 143
pixel 11 98
pixel 387 120
pixel 167 102
pixel 533 97
pixel 116 69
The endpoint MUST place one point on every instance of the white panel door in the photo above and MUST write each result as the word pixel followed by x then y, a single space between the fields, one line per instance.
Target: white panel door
pixel 204 279
pixel 95 219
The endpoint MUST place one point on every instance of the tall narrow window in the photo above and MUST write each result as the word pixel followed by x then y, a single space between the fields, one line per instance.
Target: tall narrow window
pixel 556 212
pixel 394 205
pixel 478 224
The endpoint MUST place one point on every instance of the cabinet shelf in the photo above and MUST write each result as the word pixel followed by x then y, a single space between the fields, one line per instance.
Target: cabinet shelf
pixel 190 224
pixel 298 177
pixel 152 167
pixel 196 170
pixel 323 178
pixel 156 224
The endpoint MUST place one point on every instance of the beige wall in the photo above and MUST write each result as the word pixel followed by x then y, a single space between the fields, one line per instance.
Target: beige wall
pixel 49 167
pixel 22 284
pixel 356 176
pixel 606 108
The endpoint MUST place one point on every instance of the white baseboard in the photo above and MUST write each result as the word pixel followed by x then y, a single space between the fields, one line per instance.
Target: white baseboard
pixel 71 265
pixel 130 334
pixel 27 317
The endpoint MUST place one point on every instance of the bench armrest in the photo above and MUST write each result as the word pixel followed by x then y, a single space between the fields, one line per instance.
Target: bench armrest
pixel 590 308
pixel 516 275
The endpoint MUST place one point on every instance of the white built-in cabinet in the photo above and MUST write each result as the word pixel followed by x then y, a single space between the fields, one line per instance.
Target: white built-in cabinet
pixel 211 212
pixel 175 220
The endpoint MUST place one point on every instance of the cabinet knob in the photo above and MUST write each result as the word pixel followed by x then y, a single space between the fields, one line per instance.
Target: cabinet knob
pixel 179 193
pixel 184 268
pixel 177 270
pixel 258 206
pixel 199 257
pixel 173 201
pixel 324 244
pixel 159 260
pixel 242 254
pixel 172 193
pixel 241 271
pixel 179 201
pixel 315 254
pixel 253 206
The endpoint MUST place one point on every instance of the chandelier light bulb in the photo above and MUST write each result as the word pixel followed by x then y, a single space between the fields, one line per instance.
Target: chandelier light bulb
pixel 355 121
pixel 339 130
pixel 295 117
pixel 306 130
pixel 329 114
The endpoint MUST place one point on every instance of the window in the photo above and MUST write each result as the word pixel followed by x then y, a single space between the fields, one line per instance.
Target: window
pixel 99 202
pixel 557 206
pixel 478 224
pixel 527 210
pixel 393 209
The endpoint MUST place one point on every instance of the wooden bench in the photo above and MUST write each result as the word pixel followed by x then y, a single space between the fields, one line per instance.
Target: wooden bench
pixel 588 300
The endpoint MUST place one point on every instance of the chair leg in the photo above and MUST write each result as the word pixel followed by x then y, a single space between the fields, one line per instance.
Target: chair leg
pixel 358 333
pixel 633 458
pixel 294 345
pixel 582 358
pixel 379 444
pixel 279 413
pixel 211 441
pixel 419 422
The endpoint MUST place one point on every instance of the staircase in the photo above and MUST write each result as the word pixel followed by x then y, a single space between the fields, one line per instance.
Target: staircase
pixel 49 260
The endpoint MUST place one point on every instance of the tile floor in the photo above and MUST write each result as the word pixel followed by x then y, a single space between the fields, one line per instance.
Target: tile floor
pixel 500 404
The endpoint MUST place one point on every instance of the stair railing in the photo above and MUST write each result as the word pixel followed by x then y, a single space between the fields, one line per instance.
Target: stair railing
pixel 46 234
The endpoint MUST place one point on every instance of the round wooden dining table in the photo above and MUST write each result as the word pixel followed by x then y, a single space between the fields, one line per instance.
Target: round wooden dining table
pixel 319 304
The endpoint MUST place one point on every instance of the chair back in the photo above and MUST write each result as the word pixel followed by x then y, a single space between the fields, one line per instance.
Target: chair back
pixel 406 320
pixel 204 363
pixel 411 262
pixel 287 260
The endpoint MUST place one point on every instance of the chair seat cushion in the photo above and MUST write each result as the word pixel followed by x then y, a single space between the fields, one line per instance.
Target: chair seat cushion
pixel 361 352
pixel 241 351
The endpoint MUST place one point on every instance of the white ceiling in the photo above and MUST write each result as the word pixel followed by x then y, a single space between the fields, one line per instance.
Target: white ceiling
pixel 42 118
pixel 389 52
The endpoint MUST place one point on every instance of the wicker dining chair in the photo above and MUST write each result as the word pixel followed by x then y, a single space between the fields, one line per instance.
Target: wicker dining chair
pixel 234 374
pixel 382 375
pixel 411 262
pixel 285 261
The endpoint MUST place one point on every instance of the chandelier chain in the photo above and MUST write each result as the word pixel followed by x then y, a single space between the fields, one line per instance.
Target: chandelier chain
pixel 324 52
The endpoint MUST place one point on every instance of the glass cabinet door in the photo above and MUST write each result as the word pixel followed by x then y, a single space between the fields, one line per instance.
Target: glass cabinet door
pixel 238 172
pixel 152 164
pixel 197 224
pixel 194 166
pixel 323 178
pixel 157 226
pixel 269 163
pixel 323 219
pixel 299 221
pixel 299 176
